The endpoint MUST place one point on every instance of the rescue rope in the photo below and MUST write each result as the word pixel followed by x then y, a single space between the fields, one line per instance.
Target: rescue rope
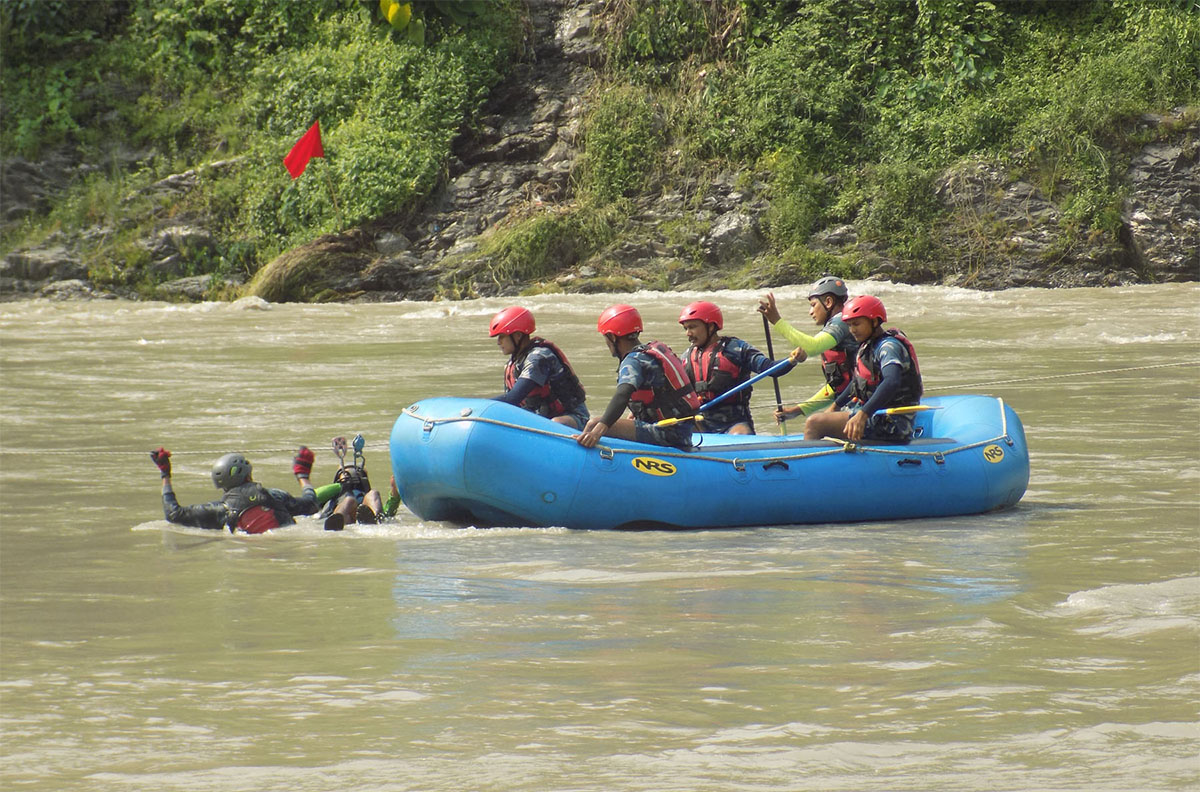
pixel 1063 376
pixel 217 452
pixel 213 453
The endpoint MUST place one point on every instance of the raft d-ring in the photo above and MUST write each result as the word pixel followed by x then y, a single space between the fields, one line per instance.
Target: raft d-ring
pixel 606 452
pixel 464 412
pixel 939 457
pixel 1008 440
pixel 427 426
pixel 739 466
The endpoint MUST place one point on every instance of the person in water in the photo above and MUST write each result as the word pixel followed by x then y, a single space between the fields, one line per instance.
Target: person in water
pixel 886 375
pixel 651 382
pixel 245 505
pixel 538 376
pixel 833 342
pixel 717 363
pixel 356 500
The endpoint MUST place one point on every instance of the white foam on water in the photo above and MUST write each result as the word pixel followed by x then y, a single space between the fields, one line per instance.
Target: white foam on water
pixel 1131 609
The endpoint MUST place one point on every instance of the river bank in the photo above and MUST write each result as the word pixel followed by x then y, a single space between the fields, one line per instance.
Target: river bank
pixel 508 218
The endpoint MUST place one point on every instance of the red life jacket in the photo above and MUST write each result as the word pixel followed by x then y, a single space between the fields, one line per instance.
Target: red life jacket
pixel 838 364
pixel 251 508
pixel 713 372
pixel 557 396
pixel 257 519
pixel 868 373
pixel 677 399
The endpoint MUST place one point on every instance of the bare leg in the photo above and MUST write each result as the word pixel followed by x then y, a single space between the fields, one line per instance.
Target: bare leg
pixel 346 507
pixel 740 428
pixel 826 424
pixel 566 420
pixel 624 428
pixel 374 502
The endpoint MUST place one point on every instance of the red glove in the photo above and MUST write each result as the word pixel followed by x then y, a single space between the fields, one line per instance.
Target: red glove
pixel 162 458
pixel 303 461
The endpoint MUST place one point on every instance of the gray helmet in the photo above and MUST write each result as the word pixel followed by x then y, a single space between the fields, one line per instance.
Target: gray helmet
pixel 829 285
pixel 230 470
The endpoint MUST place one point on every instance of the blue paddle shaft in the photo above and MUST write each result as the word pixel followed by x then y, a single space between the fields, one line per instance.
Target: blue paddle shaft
pixel 777 367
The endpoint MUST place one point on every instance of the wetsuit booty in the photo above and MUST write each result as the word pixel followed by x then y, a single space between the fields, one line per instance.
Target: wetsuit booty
pixel 364 515
pixel 335 522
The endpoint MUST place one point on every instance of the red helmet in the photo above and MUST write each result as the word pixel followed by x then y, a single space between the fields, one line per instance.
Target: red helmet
pixel 864 305
pixel 706 312
pixel 512 320
pixel 620 320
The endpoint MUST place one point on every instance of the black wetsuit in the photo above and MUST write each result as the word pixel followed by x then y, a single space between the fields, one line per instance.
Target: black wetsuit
pixel 216 515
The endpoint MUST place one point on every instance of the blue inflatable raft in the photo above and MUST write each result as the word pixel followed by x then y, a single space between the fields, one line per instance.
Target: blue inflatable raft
pixel 486 463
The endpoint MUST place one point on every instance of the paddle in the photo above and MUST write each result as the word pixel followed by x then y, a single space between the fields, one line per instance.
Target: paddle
pixel 909 409
pixel 771 354
pixel 772 370
pixel 889 411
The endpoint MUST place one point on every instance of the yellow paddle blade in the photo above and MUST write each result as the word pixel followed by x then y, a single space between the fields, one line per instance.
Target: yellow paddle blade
pixel 909 409
pixel 673 421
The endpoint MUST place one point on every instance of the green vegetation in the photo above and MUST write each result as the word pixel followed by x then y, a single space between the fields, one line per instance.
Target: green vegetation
pixel 531 248
pixel 852 107
pixel 847 110
pixel 241 80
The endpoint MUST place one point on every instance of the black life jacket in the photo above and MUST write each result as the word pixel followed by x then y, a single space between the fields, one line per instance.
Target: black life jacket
pixel 868 373
pixel 838 364
pixel 557 396
pixel 676 399
pixel 352 478
pixel 714 373
pixel 251 508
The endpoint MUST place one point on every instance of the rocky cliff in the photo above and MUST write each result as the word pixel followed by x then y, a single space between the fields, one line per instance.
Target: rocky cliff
pixel 995 230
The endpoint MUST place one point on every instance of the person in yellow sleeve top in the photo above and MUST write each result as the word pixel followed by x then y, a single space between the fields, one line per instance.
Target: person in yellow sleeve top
pixel 833 342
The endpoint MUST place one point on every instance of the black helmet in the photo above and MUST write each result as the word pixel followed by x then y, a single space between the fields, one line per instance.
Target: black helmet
pixel 829 285
pixel 230 470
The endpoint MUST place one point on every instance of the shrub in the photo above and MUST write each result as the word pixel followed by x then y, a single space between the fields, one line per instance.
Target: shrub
pixel 534 247
pixel 622 137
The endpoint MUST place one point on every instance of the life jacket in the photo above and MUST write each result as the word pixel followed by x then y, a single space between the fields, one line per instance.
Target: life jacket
pixel 838 364
pixel 677 399
pixel 868 373
pixel 557 396
pixel 353 479
pixel 714 373
pixel 251 508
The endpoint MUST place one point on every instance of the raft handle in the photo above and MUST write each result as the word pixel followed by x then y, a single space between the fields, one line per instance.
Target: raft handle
pixel 908 461
pixel 776 463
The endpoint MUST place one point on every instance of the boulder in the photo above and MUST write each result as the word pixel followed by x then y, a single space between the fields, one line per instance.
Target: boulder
pixel 733 237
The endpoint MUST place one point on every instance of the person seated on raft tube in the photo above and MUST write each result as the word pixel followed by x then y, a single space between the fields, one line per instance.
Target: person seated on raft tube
pixel 538 376
pixel 716 363
pixel 356 501
pixel 886 375
pixel 833 342
pixel 651 382
pixel 246 505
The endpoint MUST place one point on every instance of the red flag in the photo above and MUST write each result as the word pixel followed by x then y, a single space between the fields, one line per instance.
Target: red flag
pixel 305 149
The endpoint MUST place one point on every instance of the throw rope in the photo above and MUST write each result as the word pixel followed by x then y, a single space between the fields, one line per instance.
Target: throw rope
pixel 1064 376
pixel 260 451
